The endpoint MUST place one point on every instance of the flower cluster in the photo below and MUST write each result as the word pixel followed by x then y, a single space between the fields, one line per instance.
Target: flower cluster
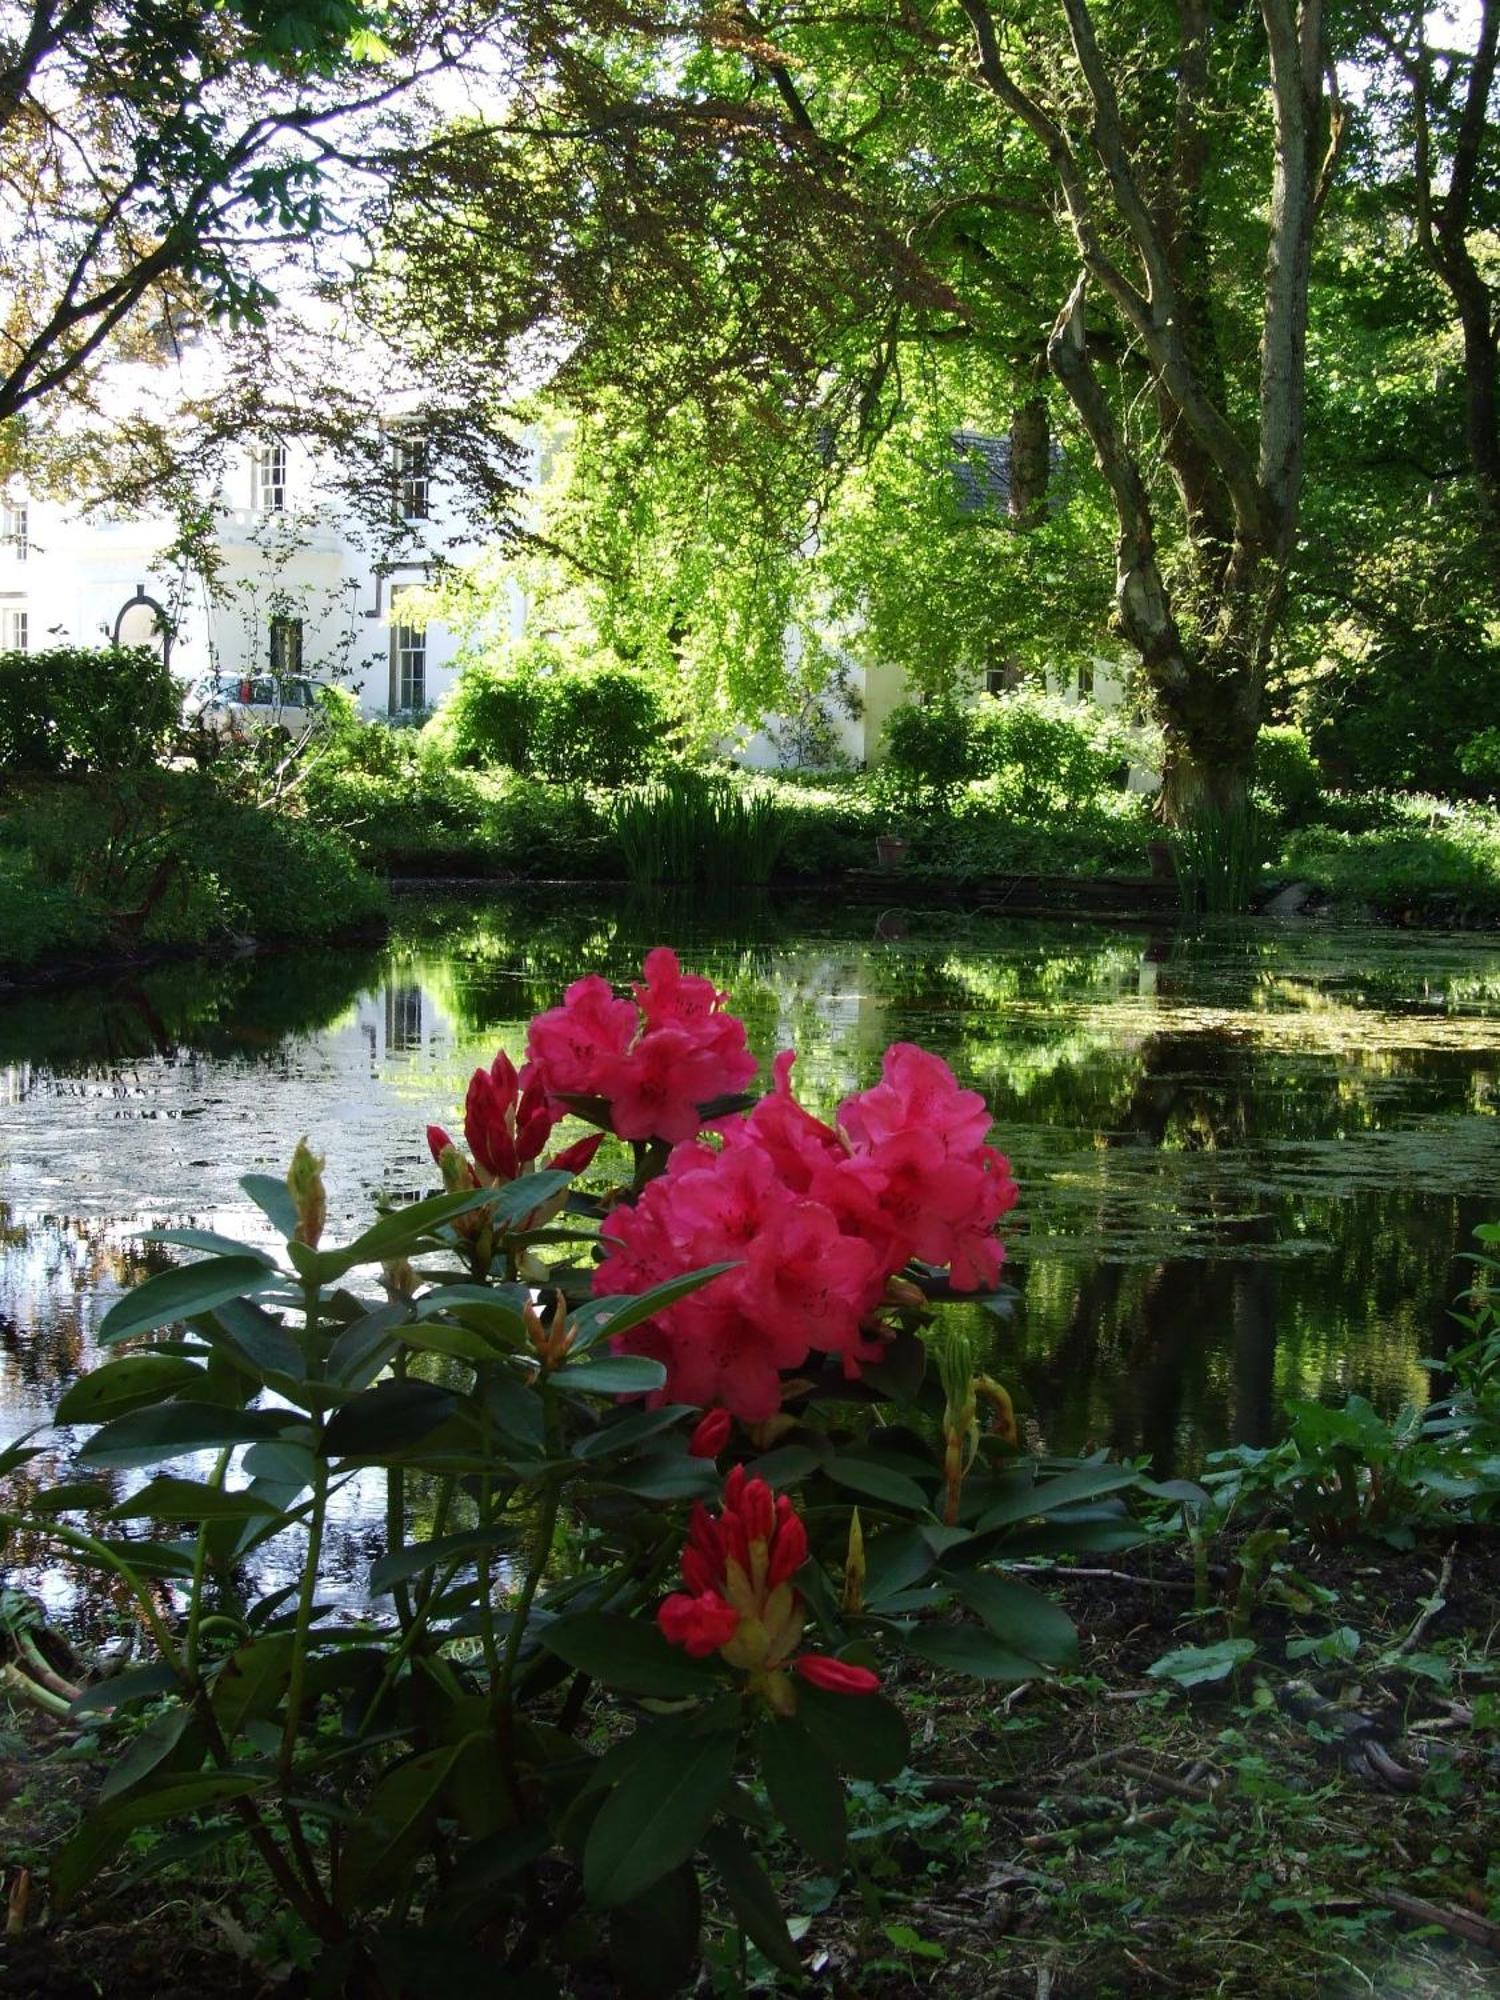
pixel 741 1601
pixel 506 1126
pixel 656 1059
pixel 817 1220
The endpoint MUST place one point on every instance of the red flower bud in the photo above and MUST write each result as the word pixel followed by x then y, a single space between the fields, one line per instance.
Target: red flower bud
pixel 573 1159
pixel 438 1143
pixel 711 1434
pixel 700 1625
pixel 837 1676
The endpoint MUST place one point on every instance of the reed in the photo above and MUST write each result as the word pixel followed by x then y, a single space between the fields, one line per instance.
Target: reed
pixel 685 828
pixel 1217 854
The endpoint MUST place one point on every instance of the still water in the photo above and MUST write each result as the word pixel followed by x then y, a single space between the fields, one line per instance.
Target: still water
pixel 1250 1161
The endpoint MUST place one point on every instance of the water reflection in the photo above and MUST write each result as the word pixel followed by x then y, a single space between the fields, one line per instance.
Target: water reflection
pixel 1248 1162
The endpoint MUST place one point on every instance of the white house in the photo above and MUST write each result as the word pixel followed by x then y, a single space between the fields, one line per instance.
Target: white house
pixel 295 582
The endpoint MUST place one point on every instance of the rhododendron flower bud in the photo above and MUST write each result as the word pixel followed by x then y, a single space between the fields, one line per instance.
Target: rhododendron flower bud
pixel 700 1625
pixel 305 1183
pixel 398 1278
pixel 575 1158
pixel 458 1176
pixel 836 1676
pixel 553 1339
pixel 712 1432
pixel 438 1143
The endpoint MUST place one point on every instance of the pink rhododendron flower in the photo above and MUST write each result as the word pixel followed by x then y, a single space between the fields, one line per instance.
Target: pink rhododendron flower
pixel 656 1066
pixel 916 1091
pixel 744 1562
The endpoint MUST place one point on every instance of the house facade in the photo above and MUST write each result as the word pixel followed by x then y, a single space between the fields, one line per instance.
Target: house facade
pixel 290 587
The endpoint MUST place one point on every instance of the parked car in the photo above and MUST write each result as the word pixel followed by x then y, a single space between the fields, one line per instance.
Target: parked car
pixel 239 708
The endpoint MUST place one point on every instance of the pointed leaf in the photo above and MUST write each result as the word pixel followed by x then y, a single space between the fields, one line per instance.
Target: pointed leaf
pixel 168 1499
pixel 129 1382
pixel 804 1788
pixel 179 1293
pixel 1035 1625
pixel 172 1430
pixel 626 1653
pixel 863 1735
pixel 613 1375
pixel 274 1200
pixel 392 1416
pixel 751 1896
pixel 1047 1495
pixel 655 1817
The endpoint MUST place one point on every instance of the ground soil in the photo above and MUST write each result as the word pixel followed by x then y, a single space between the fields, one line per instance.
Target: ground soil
pixel 1101 1835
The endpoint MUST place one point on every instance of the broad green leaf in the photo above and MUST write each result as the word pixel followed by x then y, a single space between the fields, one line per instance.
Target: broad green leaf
pixel 411 1561
pixel 515 1407
pixel 274 1200
pixel 103 1833
pixel 366 1345
pixel 1022 1618
pixel 626 1653
pixel 751 1896
pixel 804 1788
pixel 1045 1496
pixel 863 1735
pixel 206 1239
pixel 396 1816
pixel 654 1941
pixel 627 1431
pixel 168 1499
pixel 404 1230
pixel 153 1746
pixel 664 1476
pixel 120 1690
pixel 252 1680
pixel 171 1430
pixel 655 1817
pixel 965 1649
pixel 894 1562
pixel 877 1482
pixel 786 1464
pixel 392 1416
pixel 613 1375
pixel 259 1337
pixel 618 1314
pixel 179 1293
pixel 1192 1666
pixel 79 1496
pixel 130 1382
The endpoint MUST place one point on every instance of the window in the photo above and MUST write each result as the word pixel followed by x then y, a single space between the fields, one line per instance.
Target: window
pixel 286 647
pixel 413 474
pixel 403 1017
pixel 409 668
pixel 13 628
pixel 1086 680
pixel 15 531
pixel 1004 679
pixel 270 479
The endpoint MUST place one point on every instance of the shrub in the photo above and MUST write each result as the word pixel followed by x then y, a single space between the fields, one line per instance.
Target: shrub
pixel 595 726
pixel 1048 752
pixel 71 710
pixel 532 1747
pixel 1285 776
pixel 490 717
pixel 930 744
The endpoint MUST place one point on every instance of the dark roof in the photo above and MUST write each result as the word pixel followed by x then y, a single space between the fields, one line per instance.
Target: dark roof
pixel 981 473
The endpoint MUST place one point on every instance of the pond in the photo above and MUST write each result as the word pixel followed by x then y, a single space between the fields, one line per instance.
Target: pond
pixel 1250 1160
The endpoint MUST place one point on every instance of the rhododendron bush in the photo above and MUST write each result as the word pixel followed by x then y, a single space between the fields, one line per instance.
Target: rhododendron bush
pixel 732 1374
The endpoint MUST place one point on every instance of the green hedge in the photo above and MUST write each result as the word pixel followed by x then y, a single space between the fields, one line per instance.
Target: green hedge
pixel 603 725
pixel 72 710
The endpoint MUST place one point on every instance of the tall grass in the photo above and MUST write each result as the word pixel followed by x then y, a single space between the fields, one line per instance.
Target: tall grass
pixel 690 829
pixel 1218 854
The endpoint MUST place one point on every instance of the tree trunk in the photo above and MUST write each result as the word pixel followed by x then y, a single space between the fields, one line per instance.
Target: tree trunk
pixel 1030 463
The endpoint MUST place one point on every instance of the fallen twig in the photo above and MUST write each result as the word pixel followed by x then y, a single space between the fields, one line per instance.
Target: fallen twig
pixel 1095 1831
pixel 1182 1788
pixel 1466 1924
pixel 1431 1608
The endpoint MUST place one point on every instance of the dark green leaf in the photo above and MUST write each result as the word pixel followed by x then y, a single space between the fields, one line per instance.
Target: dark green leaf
pixel 786 1464
pixel 79 1496
pixel 392 1416
pixel 804 1789
pixel 103 1833
pixel 206 1239
pixel 120 1690
pixel 655 1817
pixel 397 1815
pixel 1047 1495
pixel 412 1561
pixel 130 1382
pixel 252 1680
pixel 627 1431
pixel 877 1482
pixel 153 1746
pixel 667 1476
pixel 863 1735
pixel 179 1293
pixel 366 1345
pixel 618 1314
pixel 894 1562
pixel 964 1649
pixel 1020 1617
pixel 1192 1666
pixel 654 1941
pixel 613 1375
pixel 258 1337
pixel 274 1200
pixel 169 1430
pixel 626 1653
pixel 751 1896
pixel 166 1499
